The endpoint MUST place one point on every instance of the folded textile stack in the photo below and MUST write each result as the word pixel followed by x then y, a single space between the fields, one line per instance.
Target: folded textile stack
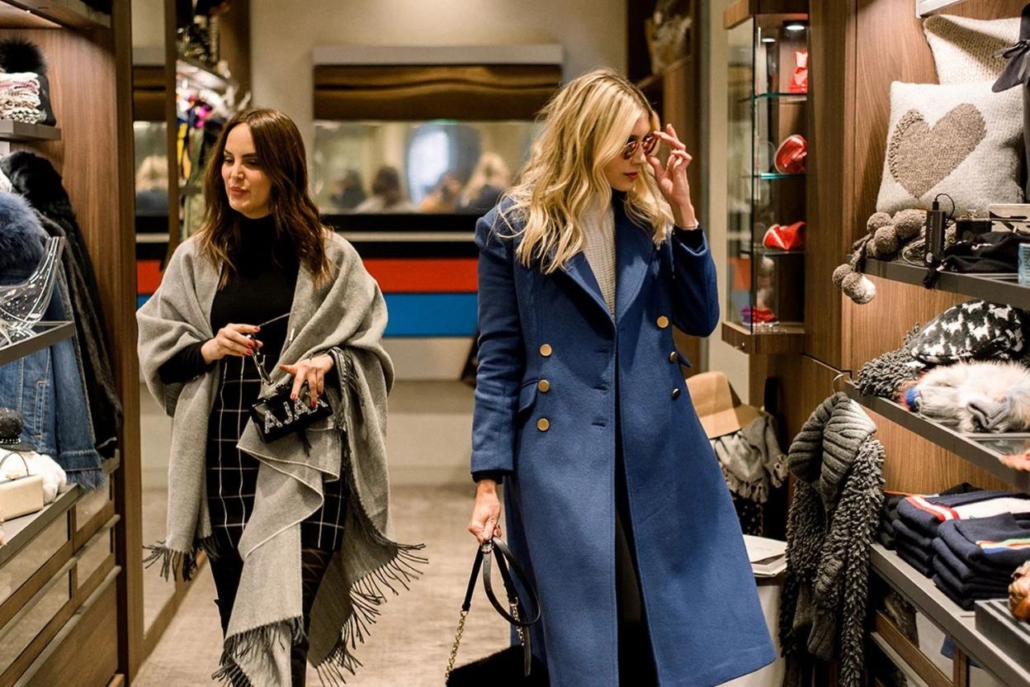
pixel 920 517
pixel 888 514
pixel 974 559
pixel 19 98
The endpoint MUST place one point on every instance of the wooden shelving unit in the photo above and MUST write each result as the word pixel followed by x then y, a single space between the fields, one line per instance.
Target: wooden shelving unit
pixel 960 625
pixel 787 338
pixel 68 13
pixel 969 447
pixel 20 131
pixel 996 288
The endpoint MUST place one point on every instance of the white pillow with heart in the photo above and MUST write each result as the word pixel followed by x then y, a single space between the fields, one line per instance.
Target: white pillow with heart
pixel 963 140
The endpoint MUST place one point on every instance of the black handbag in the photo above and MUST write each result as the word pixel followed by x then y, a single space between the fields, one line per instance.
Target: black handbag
pixel 277 415
pixel 515 665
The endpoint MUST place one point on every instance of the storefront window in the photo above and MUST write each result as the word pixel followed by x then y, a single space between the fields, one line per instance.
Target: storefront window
pixel 440 166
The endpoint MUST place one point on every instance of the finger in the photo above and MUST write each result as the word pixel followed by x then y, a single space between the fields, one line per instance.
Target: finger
pixel 321 383
pixel 314 384
pixel 244 328
pixel 238 338
pixel 673 141
pixel 289 369
pixel 656 165
pixel 298 384
pixel 233 348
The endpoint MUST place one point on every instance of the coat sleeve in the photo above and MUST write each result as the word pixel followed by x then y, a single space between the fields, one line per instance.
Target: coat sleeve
pixel 695 297
pixel 501 352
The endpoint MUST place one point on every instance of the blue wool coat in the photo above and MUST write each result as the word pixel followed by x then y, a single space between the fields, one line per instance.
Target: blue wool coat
pixel 553 364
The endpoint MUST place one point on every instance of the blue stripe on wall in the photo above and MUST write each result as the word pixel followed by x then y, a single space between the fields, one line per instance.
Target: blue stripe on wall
pixel 431 314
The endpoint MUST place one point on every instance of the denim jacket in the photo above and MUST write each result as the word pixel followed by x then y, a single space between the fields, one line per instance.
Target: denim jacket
pixel 47 388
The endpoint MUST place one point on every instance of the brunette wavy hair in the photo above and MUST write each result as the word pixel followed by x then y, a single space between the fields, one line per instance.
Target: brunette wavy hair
pixel 281 156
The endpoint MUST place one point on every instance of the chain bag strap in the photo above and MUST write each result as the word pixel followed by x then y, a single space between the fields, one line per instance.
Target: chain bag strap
pixel 506 565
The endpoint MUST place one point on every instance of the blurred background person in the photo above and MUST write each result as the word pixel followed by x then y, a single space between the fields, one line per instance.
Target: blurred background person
pixel 489 179
pixel 348 191
pixel 387 195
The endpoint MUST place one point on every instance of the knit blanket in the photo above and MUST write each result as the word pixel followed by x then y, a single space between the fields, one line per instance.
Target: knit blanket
pixel 838 492
pixel 345 317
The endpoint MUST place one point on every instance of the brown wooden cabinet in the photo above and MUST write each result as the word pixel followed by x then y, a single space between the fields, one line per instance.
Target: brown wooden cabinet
pixel 64 615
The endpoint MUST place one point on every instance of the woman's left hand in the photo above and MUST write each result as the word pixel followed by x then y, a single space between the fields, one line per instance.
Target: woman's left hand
pixel 312 371
pixel 672 179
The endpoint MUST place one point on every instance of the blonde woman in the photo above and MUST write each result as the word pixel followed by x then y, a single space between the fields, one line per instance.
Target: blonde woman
pixel 613 498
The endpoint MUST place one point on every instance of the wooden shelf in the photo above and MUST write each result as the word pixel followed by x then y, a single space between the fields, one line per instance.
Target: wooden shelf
pixel 960 625
pixel 995 287
pixel 21 531
pixel 924 8
pixel 48 333
pixel 20 131
pixel 970 447
pixel 70 13
pixel 787 338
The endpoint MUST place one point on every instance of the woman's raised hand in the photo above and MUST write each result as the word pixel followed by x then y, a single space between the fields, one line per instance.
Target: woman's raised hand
pixel 312 371
pixel 486 513
pixel 672 178
pixel 232 339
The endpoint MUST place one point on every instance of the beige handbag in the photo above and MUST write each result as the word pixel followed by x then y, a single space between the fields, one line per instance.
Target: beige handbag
pixel 20 494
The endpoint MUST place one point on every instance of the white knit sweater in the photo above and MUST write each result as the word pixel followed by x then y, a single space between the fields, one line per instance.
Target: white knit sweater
pixel 600 251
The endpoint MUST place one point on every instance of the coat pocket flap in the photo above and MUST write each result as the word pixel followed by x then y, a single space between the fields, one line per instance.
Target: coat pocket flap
pixel 527 395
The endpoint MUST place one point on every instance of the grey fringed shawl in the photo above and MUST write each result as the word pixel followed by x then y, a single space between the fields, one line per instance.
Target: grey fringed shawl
pixel 344 317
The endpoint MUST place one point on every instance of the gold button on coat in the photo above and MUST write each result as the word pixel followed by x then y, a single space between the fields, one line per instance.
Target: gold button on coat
pixel 672 357
pixel 545 350
pixel 543 424
pixel 544 386
pixel 663 322
pixel 676 393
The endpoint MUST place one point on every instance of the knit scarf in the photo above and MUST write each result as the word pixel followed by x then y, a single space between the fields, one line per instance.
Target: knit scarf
pixel 838 492
pixel 344 317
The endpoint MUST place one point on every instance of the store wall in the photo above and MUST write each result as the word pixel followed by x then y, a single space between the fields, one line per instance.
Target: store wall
pixel 721 356
pixel 592 33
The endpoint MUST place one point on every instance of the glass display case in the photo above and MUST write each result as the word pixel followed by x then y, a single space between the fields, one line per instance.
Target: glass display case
pixel 766 168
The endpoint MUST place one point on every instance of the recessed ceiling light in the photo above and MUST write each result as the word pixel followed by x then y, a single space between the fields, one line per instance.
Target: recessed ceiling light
pixel 795 26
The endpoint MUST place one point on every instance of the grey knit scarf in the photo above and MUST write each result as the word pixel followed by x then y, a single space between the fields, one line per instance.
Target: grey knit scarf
pixel 838 492
pixel 344 317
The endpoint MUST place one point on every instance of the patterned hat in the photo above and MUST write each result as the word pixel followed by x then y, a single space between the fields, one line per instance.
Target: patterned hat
pixel 11 423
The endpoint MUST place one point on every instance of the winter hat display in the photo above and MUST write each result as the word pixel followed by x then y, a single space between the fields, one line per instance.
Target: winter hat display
pixel 969 50
pixel 974 330
pixel 790 156
pixel 28 480
pixel 786 237
pixel 24 87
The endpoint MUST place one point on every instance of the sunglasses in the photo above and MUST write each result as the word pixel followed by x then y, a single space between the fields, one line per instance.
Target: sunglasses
pixel 648 143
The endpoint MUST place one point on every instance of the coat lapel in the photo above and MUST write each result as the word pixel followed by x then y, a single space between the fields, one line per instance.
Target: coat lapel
pixel 634 252
pixel 578 269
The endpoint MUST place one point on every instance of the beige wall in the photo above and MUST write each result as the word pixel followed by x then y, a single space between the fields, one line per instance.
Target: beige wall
pixel 148 23
pixel 592 33
pixel 721 356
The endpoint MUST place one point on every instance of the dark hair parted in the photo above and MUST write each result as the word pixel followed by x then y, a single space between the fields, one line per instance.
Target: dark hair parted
pixel 281 156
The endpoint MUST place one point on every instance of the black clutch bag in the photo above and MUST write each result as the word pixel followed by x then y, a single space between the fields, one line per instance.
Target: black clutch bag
pixel 277 415
pixel 516 665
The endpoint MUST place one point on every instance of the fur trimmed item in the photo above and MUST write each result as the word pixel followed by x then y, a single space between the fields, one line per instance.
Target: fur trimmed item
pixel 18 55
pixel 973 397
pixel 21 236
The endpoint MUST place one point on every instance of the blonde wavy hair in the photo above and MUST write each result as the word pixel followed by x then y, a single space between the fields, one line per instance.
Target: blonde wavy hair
pixel 585 126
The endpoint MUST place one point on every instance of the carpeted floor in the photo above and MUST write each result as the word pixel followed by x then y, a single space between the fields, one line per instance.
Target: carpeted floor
pixel 410 644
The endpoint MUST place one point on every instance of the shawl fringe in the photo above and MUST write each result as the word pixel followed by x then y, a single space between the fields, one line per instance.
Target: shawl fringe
pixel 89 479
pixel 238 646
pixel 173 561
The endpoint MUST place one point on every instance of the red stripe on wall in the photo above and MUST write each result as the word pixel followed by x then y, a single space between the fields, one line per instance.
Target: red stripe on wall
pixel 148 276
pixel 424 275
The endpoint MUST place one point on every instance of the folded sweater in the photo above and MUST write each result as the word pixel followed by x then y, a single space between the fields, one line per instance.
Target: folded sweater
pixel 1001 541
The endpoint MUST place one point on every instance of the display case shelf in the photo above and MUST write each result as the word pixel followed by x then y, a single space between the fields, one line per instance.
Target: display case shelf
pixel 200 75
pixel 782 97
pixel 776 176
pixel 20 131
pixel 974 448
pixel 960 625
pixel 996 288
pixel 785 338
pixel 71 13
pixel 48 333
pixel 20 531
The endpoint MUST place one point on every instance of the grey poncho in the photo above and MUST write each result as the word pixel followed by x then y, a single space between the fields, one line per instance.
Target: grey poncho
pixel 345 317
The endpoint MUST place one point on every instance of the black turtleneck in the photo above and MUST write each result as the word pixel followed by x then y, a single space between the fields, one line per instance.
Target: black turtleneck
pixel 262 289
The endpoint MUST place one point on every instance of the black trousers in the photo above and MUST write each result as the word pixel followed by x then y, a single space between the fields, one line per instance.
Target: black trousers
pixel 636 657
pixel 228 567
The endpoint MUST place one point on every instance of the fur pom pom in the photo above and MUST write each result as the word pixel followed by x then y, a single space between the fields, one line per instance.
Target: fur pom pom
pixel 20 55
